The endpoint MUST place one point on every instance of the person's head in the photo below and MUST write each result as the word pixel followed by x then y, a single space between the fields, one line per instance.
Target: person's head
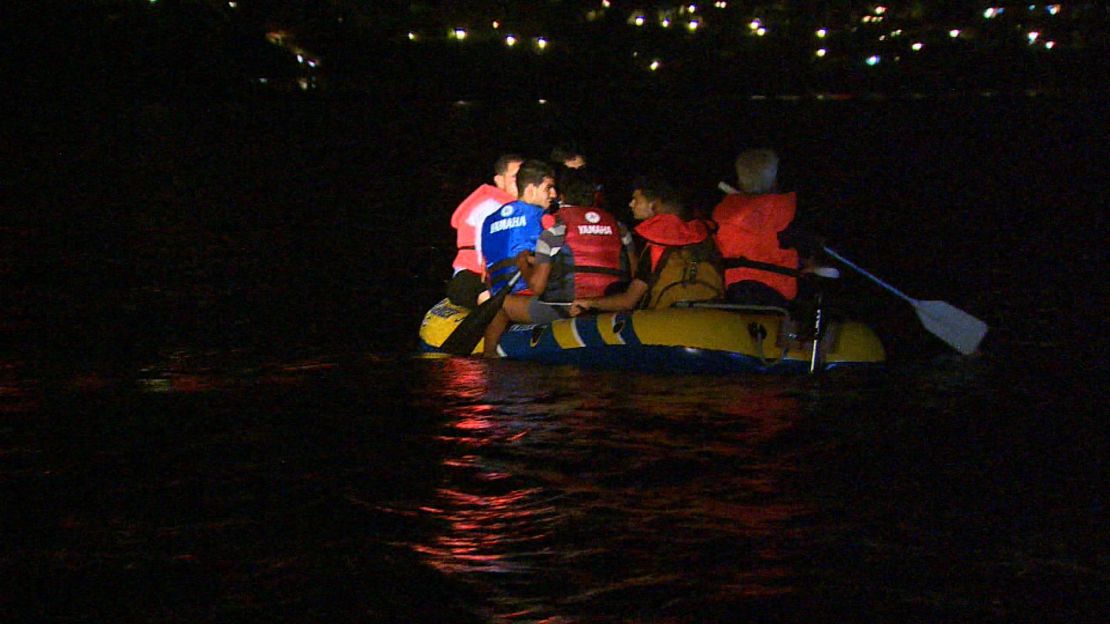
pixel 575 187
pixel 568 156
pixel 652 196
pixel 757 171
pixel 535 181
pixel 504 173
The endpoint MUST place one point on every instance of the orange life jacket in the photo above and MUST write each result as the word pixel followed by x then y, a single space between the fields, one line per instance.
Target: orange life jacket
pixel 748 237
pixel 683 261
pixel 467 220
pixel 595 240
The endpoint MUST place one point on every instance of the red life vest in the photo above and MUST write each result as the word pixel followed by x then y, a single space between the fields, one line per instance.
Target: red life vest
pixel 749 228
pixel 668 230
pixel 467 220
pixel 594 238
pixel 683 262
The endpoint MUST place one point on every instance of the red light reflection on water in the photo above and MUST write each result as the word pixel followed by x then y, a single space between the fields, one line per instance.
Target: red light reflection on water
pixel 486 520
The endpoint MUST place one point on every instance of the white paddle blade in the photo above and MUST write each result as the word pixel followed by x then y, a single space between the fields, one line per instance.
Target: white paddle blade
pixel 952 325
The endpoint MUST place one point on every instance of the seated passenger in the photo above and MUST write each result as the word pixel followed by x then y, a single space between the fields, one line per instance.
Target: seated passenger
pixel 466 287
pixel 509 235
pixel 758 269
pixel 678 259
pixel 584 254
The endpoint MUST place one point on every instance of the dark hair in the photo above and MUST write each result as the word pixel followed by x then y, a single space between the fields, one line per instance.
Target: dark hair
pixel 532 172
pixel 501 165
pixel 661 191
pixel 563 152
pixel 575 187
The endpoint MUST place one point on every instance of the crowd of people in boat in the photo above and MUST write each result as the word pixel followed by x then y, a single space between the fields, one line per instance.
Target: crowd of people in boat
pixel 541 231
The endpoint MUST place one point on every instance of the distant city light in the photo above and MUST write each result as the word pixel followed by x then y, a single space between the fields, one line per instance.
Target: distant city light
pixel 459 33
pixel 693 8
pixel 541 43
pixel 821 52
pixel 873 60
pixel 721 4
pixel 542 101
pixel 896 33
pixel 655 65
pixel 666 23
pixel 1048 45
pixel 1052 9
pixel 993 12
pixel 955 32
pixel 510 40
pixel 693 25
pixel 605 4
pixel 638 20
pixel 761 31
pixel 496 24
pixel 822 33
pixel 234 5
pixel 755 24
pixel 412 36
pixel 1032 36
pixel 918 46
pixel 879 10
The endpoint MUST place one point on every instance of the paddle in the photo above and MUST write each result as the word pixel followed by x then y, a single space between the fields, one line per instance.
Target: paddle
pixel 960 330
pixel 466 336
pixel 957 328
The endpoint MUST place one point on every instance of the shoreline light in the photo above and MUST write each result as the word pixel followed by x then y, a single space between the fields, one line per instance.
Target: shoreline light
pixel 459 33
pixel 917 46
pixel 821 52
pixel 822 33
pixel 955 32
pixel 541 43
pixel 874 59
pixel 510 40
pixel 693 25
pixel 655 65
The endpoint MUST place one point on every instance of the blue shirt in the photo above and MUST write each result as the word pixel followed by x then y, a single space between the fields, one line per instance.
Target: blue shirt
pixel 513 228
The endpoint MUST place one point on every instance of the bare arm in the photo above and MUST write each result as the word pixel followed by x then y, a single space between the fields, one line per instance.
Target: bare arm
pixel 626 300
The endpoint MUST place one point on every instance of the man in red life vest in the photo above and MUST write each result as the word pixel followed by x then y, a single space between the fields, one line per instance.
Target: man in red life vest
pixel 466 287
pixel 677 260
pixel 759 270
pixel 586 253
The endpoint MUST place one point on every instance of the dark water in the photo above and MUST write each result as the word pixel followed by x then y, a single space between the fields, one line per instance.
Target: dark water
pixel 210 411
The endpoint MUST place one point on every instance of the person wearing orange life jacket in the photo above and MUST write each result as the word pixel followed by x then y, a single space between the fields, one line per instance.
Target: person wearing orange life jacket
pixel 759 270
pixel 677 260
pixel 586 253
pixel 466 287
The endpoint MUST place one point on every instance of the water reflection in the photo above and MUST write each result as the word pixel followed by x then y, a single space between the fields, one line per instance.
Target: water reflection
pixel 568 493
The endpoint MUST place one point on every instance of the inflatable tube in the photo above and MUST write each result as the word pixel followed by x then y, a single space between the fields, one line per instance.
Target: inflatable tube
pixel 694 340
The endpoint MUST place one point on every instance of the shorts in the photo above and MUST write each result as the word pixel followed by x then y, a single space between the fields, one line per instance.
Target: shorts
pixel 541 312
pixel 464 288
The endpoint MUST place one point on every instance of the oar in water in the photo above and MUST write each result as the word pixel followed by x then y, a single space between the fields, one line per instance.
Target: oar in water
pixel 959 329
pixel 470 331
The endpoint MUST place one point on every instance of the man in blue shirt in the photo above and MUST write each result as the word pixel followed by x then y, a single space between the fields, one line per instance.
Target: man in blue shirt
pixel 509 235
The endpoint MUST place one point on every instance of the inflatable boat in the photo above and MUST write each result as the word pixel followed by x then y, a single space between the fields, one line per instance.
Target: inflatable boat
pixel 699 338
